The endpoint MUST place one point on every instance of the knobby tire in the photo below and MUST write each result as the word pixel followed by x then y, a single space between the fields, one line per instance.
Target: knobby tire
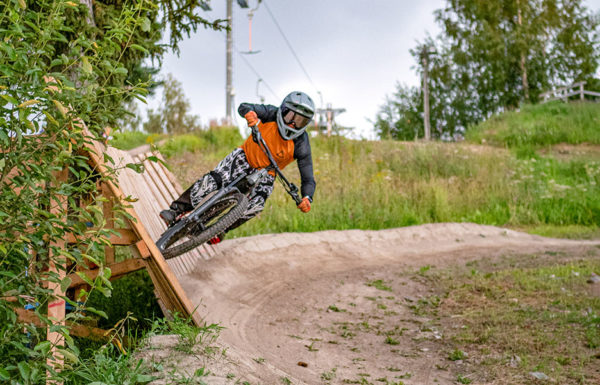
pixel 222 224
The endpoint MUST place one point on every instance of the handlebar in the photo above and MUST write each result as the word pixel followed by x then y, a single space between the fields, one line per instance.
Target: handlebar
pixel 290 188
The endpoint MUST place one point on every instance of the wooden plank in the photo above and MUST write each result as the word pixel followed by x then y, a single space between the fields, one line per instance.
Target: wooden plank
pixel 185 261
pixel 170 295
pixel 156 166
pixel 118 269
pixel 147 206
pixel 157 182
pixel 143 249
pixel 156 198
pixel 141 187
pixel 125 237
pixel 592 93
pixel 107 211
pixel 170 175
pixel 205 251
pixel 152 197
pixel 56 306
pixel 95 334
pixel 29 317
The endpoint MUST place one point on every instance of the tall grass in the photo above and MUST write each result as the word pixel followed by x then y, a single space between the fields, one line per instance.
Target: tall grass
pixel 131 139
pixel 216 140
pixel 385 184
pixel 541 125
pixel 219 141
pixel 376 185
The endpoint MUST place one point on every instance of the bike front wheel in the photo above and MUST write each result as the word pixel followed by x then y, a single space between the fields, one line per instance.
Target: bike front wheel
pixel 215 220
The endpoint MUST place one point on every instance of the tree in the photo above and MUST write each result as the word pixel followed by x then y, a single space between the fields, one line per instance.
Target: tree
pixel 63 65
pixel 493 56
pixel 173 115
pixel 399 118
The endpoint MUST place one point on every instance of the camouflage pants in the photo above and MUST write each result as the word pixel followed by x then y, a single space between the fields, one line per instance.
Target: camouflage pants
pixel 234 165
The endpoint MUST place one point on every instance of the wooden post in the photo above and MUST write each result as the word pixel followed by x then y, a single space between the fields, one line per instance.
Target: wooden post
pixel 329 120
pixel 229 64
pixel 581 95
pixel 107 210
pixel 56 307
pixel 425 58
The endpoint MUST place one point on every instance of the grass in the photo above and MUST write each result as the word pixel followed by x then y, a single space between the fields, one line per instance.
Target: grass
pixel 566 231
pixel 541 125
pixel 379 285
pixel 131 139
pixel 108 366
pixel 217 140
pixel 528 309
pixel 191 337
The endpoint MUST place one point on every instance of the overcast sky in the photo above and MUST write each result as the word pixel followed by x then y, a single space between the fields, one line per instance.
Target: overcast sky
pixel 354 52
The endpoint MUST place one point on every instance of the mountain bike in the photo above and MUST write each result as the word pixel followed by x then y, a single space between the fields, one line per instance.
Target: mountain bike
pixel 219 211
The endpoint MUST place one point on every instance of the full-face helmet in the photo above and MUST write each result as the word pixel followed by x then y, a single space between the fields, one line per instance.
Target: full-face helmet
pixel 294 114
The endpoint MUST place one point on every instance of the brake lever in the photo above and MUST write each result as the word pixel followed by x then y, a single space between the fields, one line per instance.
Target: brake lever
pixel 294 193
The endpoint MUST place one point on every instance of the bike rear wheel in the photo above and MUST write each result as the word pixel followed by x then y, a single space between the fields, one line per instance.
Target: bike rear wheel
pixel 218 218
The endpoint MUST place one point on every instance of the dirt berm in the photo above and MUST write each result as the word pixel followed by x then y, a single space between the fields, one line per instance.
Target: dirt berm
pixel 305 308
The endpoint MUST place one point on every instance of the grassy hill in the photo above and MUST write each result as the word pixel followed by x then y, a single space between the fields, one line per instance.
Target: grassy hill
pixel 541 125
pixel 537 170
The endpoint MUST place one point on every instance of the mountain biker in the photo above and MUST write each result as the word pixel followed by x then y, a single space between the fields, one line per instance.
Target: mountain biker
pixel 284 130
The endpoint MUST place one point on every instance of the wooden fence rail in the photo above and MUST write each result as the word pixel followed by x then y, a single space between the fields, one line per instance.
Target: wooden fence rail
pixel 564 93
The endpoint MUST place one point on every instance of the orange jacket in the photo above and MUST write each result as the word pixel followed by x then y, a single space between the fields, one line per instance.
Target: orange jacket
pixel 282 150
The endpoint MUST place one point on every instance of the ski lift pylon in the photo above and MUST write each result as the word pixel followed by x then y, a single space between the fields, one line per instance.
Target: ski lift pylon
pixel 250 16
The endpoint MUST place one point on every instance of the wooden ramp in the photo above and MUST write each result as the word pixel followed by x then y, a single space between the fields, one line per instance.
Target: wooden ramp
pixel 154 190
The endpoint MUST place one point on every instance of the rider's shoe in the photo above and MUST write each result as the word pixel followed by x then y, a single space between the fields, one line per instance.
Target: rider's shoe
pixel 168 216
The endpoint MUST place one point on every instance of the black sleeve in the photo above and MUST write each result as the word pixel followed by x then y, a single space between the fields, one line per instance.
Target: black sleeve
pixel 265 112
pixel 302 153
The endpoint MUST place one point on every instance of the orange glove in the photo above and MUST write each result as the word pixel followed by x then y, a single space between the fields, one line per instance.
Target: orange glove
pixel 304 206
pixel 251 118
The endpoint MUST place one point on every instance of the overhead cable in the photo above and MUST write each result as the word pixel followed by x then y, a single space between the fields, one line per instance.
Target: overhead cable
pixel 289 45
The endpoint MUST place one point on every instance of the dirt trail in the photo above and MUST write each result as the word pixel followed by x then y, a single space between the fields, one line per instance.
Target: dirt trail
pixel 297 298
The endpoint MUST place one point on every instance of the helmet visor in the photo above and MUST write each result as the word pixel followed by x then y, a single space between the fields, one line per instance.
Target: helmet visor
pixel 294 119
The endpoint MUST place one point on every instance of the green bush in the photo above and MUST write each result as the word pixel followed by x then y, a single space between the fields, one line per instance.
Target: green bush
pixel 135 294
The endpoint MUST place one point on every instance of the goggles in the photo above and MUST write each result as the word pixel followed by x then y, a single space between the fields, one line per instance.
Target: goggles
pixel 292 118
